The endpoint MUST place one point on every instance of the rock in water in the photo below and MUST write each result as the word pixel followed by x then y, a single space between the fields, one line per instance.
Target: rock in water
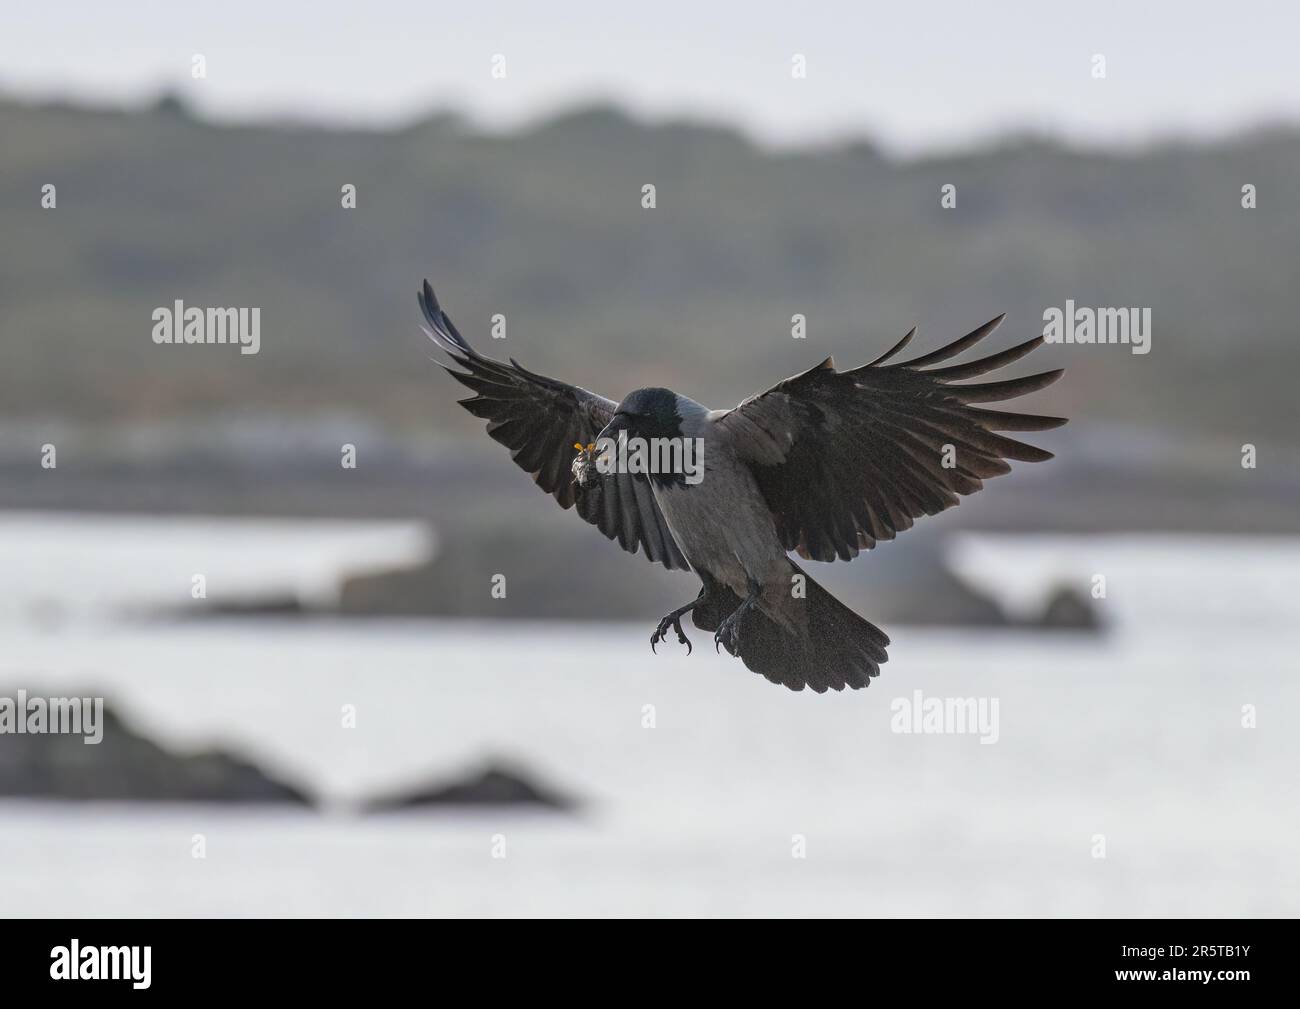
pixel 127 766
pixel 494 785
pixel 1068 609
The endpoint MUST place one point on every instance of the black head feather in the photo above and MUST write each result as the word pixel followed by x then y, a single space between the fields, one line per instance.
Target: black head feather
pixel 650 413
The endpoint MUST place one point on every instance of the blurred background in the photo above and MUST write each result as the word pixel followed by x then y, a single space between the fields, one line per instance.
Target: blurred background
pixel 346 720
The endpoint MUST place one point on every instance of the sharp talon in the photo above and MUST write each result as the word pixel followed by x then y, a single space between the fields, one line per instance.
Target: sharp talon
pixel 682 639
pixel 673 620
pixel 725 637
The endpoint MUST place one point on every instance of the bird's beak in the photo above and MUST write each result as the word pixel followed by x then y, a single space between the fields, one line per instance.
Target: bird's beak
pixel 611 430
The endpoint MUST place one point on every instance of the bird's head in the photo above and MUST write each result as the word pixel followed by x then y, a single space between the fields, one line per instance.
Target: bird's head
pixel 646 413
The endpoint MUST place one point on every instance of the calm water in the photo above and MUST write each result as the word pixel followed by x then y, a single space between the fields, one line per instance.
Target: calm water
pixel 1136 736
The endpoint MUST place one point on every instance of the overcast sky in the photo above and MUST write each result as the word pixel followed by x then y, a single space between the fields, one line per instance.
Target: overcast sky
pixel 912 76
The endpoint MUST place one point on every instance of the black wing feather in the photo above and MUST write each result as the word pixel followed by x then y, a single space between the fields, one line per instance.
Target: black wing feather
pixel 847 459
pixel 539 420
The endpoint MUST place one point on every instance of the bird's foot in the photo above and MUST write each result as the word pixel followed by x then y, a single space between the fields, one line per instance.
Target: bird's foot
pixel 674 621
pixel 728 634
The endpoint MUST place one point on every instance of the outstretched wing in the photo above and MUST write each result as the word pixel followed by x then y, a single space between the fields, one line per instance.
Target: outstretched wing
pixel 845 459
pixel 540 420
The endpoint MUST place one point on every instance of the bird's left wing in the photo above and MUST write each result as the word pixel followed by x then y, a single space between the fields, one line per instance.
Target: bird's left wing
pixel 844 459
pixel 540 420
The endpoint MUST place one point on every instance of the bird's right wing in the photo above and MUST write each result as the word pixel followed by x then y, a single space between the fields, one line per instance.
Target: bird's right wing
pixel 540 420
pixel 845 459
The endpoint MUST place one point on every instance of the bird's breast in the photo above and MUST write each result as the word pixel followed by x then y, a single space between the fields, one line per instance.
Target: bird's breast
pixel 722 523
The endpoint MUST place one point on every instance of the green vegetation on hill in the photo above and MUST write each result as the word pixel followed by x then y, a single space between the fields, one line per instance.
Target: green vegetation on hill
pixel 547 228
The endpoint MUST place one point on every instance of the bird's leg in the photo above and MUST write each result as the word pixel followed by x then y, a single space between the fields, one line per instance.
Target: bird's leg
pixel 728 632
pixel 674 620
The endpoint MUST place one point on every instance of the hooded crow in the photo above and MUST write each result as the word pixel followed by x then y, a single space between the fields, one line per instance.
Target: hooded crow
pixel 825 464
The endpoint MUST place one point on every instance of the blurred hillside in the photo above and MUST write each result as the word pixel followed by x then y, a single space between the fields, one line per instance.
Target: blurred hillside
pixel 547 228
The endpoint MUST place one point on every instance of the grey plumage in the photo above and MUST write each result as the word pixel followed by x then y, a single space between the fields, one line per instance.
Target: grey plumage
pixel 825 463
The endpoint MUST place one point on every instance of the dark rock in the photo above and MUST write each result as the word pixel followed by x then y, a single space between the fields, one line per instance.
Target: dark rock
pixel 270 606
pixel 1067 609
pixel 891 586
pixel 494 785
pixel 127 766
pixel 172 105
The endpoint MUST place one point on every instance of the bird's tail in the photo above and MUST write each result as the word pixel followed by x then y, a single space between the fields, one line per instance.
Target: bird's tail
pixel 810 639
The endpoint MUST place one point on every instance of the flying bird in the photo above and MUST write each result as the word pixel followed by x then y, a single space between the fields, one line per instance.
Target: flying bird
pixel 826 464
